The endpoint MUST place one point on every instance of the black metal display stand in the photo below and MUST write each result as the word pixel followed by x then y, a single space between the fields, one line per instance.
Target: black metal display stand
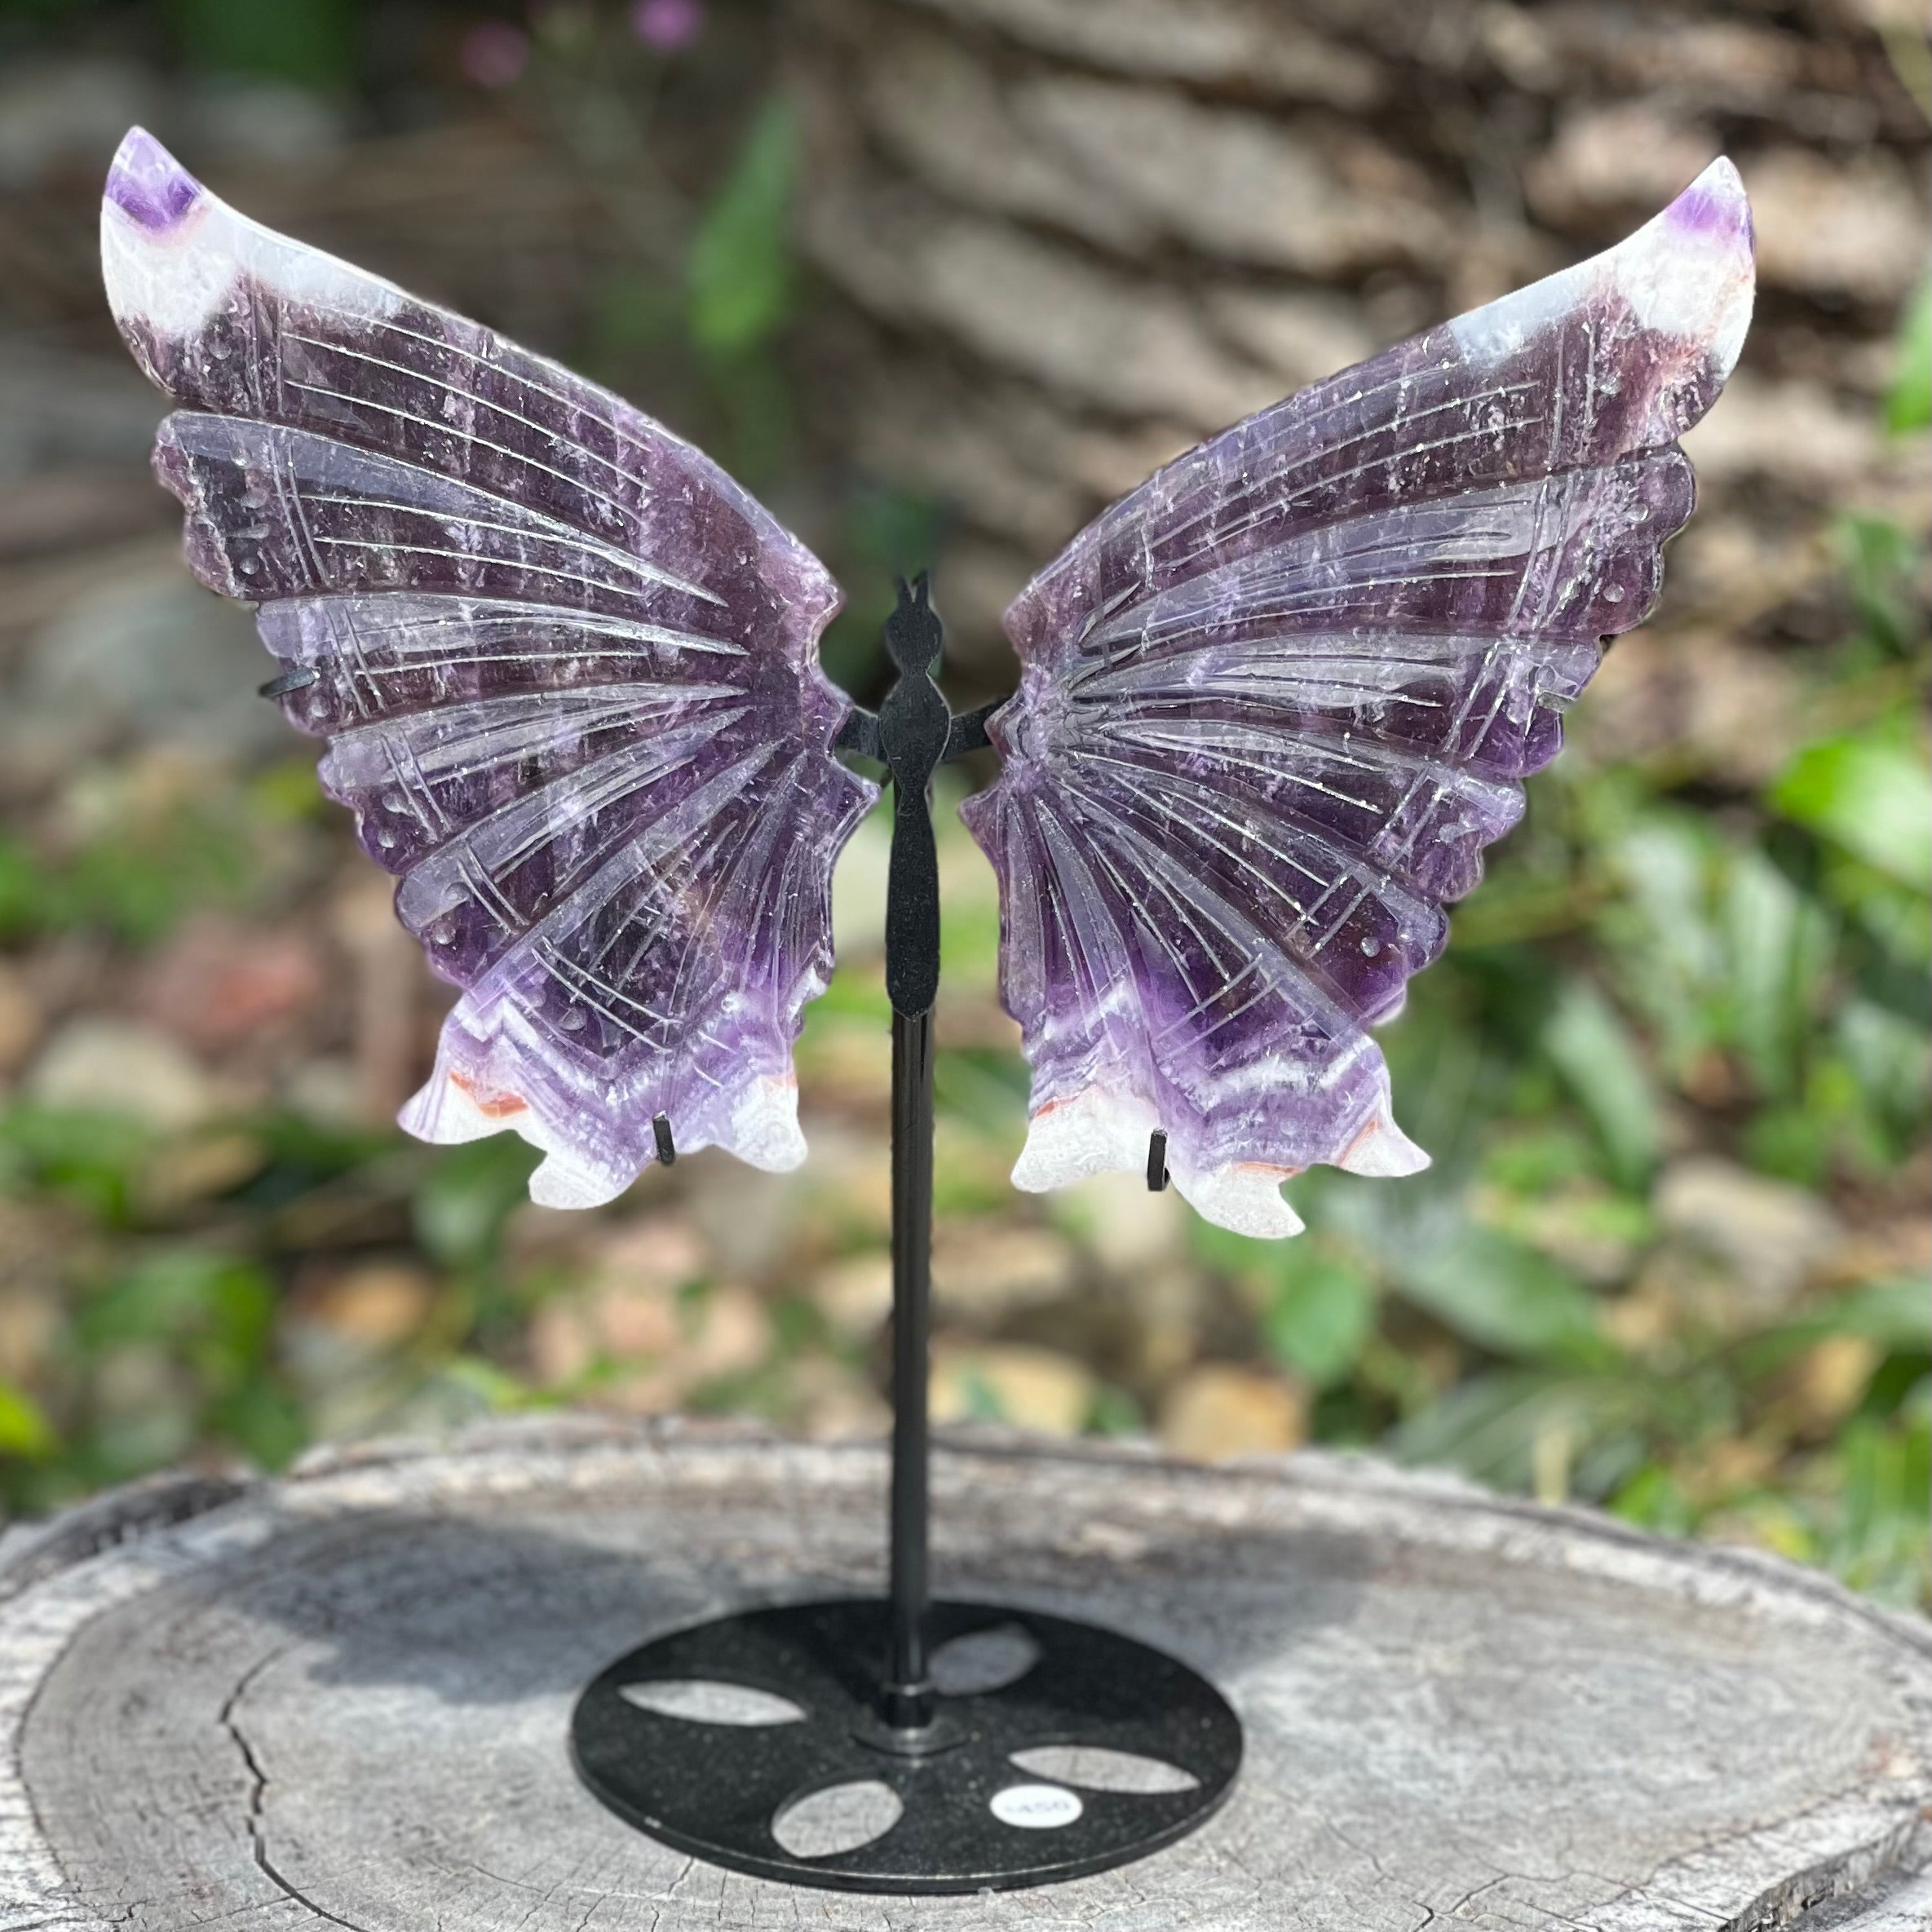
pixel 858 1674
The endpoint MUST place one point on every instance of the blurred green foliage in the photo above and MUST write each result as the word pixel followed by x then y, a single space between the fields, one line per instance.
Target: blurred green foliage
pixel 1908 405
pixel 738 268
pixel 129 881
pixel 316 43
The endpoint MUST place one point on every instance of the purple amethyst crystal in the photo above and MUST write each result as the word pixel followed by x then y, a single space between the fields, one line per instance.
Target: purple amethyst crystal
pixel 1275 702
pixel 148 185
pixel 567 668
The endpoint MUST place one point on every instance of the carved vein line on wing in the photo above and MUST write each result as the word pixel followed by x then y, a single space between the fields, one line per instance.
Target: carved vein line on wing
pixel 1323 835
pixel 1563 499
pixel 1237 926
pixel 481 402
pixel 1219 740
pixel 429 422
pixel 1126 828
pixel 1220 754
pixel 1153 928
pixel 548 530
pixel 1196 802
pixel 750 838
pixel 473 611
pixel 424 550
pixel 1272 480
pixel 1083 939
pixel 499 728
pixel 1195 794
pixel 1280 484
pixel 470 872
pixel 1555 392
pixel 406 748
pixel 628 863
pixel 1284 603
pixel 583 405
pixel 416 805
pixel 1261 681
pixel 1176 884
pixel 333 609
pixel 1184 907
pixel 1275 505
pixel 573 977
pixel 532 820
pixel 288 492
pixel 1277 654
pixel 748 867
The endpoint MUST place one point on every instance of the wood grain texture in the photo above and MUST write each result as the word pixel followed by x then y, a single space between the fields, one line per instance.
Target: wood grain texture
pixel 341 1698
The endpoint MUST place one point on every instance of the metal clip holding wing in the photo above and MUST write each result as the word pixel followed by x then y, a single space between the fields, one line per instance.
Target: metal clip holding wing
pixel 1157 1174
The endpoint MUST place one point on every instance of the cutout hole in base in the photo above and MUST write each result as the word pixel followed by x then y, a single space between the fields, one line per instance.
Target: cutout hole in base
pixel 1093 1767
pixel 841 1818
pixel 984 1661
pixel 711 1700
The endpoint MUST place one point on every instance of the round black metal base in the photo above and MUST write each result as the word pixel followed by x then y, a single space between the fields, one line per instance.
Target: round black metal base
pixel 730 1785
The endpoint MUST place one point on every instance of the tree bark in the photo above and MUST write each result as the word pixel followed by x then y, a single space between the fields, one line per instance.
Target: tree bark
pixel 341 1698
pixel 1074 236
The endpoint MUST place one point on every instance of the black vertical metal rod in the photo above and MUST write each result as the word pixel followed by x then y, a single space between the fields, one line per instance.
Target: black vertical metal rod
pixel 908 1694
pixel 910 737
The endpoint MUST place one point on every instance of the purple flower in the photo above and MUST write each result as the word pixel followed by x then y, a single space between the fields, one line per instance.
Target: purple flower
pixel 667 24
pixel 493 53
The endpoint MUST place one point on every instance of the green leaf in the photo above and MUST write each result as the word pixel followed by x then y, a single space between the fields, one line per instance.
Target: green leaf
pixel 1653 1499
pixel 1881 564
pixel 1499 1427
pixel 263 1422
pixel 1909 402
pixel 1889 1311
pixel 1502 1294
pixel 467 1196
pixel 1879 1542
pixel 1868 794
pixel 1886 1055
pixel 1780 944
pixel 89 1158
pixel 1669 952
pixel 213 1311
pixel 738 271
pixel 313 42
pixel 24 1430
pixel 1321 1314
pixel 1604 1066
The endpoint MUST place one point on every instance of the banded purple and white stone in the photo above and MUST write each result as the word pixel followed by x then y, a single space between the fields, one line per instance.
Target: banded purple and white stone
pixel 1276 702
pixel 567 668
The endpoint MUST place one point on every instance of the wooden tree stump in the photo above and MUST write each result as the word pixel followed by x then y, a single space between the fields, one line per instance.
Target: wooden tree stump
pixel 341 1698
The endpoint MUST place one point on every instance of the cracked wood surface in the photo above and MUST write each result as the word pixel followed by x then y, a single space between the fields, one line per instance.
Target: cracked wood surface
pixel 341 1698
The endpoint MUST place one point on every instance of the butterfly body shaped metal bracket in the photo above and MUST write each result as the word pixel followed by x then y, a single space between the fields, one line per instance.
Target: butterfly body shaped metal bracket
pixel 913 733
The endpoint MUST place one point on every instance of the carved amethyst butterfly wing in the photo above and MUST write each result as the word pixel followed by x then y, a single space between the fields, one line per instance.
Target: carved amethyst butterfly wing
pixel 567 670
pixel 1275 703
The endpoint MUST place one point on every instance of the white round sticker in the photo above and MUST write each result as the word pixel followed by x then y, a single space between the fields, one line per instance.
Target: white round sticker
pixel 1036 1807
